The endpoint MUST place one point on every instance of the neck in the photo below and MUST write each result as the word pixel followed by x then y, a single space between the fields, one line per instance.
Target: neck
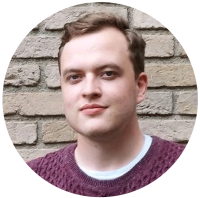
pixel 110 153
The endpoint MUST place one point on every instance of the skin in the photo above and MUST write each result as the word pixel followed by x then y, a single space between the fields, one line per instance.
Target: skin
pixel 96 69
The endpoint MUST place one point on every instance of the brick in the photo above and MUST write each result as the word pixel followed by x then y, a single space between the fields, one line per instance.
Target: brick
pixel 52 76
pixel 57 21
pixel 41 104
pixel 186 103
pixel 156 103
pixel 170 75
pixel 22 132
pixel 115 9
pixel 144 21
pixel 30 154
pixel 18 74
pixel 182 52
pixel 173 130
pixel 59 131
pixel 179 50
pixel 159 45
pixel 10 104
pixel 32 104
pixel 38 47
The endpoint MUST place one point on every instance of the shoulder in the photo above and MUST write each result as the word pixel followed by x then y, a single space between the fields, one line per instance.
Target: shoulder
pixel 166 152
pixel 168 146
pixel 51 160
pixel 161 155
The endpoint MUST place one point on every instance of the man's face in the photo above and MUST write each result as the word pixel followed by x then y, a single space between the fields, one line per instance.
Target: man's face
pixel 98 83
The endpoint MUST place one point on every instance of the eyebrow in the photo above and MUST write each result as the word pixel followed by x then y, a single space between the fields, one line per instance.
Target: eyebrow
pixel 99 68
pixel 66 71
pixel 112 66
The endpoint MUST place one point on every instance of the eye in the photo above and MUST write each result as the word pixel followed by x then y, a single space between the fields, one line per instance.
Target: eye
pixel 109 75
pixel 74 78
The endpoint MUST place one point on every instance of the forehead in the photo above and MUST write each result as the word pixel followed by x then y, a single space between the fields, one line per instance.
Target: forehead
pixel 105 45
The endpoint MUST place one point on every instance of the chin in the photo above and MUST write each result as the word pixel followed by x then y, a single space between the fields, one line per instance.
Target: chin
pixel 100 133
pixel 93 131
pixel 95 128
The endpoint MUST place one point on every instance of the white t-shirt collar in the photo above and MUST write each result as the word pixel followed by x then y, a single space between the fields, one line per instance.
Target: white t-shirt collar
pixel 108 175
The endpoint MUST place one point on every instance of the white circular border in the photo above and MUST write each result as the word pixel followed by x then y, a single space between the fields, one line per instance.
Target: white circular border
pixel 19 17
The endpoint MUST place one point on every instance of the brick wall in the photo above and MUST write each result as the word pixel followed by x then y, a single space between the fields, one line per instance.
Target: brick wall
pixel 32 99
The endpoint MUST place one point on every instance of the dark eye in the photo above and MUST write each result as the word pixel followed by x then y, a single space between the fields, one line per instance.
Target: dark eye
pixel 74 78
pixel 109 75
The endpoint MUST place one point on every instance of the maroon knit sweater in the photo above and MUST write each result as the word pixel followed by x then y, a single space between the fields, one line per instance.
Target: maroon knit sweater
pixel 60 169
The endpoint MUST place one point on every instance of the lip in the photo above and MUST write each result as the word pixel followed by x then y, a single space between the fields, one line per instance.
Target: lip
pixel 92 109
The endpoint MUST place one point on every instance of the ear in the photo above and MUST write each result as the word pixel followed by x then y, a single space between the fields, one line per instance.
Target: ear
pixel 142 83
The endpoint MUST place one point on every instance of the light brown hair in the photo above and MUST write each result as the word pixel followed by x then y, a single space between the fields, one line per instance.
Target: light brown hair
pixel 97 21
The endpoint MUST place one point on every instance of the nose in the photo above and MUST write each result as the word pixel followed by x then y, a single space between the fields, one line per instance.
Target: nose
pixel 91 88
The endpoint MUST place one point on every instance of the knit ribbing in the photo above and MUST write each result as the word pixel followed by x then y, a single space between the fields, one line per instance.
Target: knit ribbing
pixel 60 169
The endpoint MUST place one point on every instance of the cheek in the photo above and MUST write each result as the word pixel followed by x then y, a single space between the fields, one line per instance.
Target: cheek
pixel 122 101
pixel 69 106
pixel 124 93
pixel 68 100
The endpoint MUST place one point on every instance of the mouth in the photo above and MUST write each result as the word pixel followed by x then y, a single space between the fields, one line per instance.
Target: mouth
pixel 92 109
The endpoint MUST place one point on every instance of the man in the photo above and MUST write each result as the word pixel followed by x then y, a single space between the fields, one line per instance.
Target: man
pixel 101 63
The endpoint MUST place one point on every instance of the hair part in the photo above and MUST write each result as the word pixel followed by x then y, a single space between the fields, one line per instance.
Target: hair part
pixel 97 21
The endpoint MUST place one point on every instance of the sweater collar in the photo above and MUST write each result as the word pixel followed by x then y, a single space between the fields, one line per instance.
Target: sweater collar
pixel 72 166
